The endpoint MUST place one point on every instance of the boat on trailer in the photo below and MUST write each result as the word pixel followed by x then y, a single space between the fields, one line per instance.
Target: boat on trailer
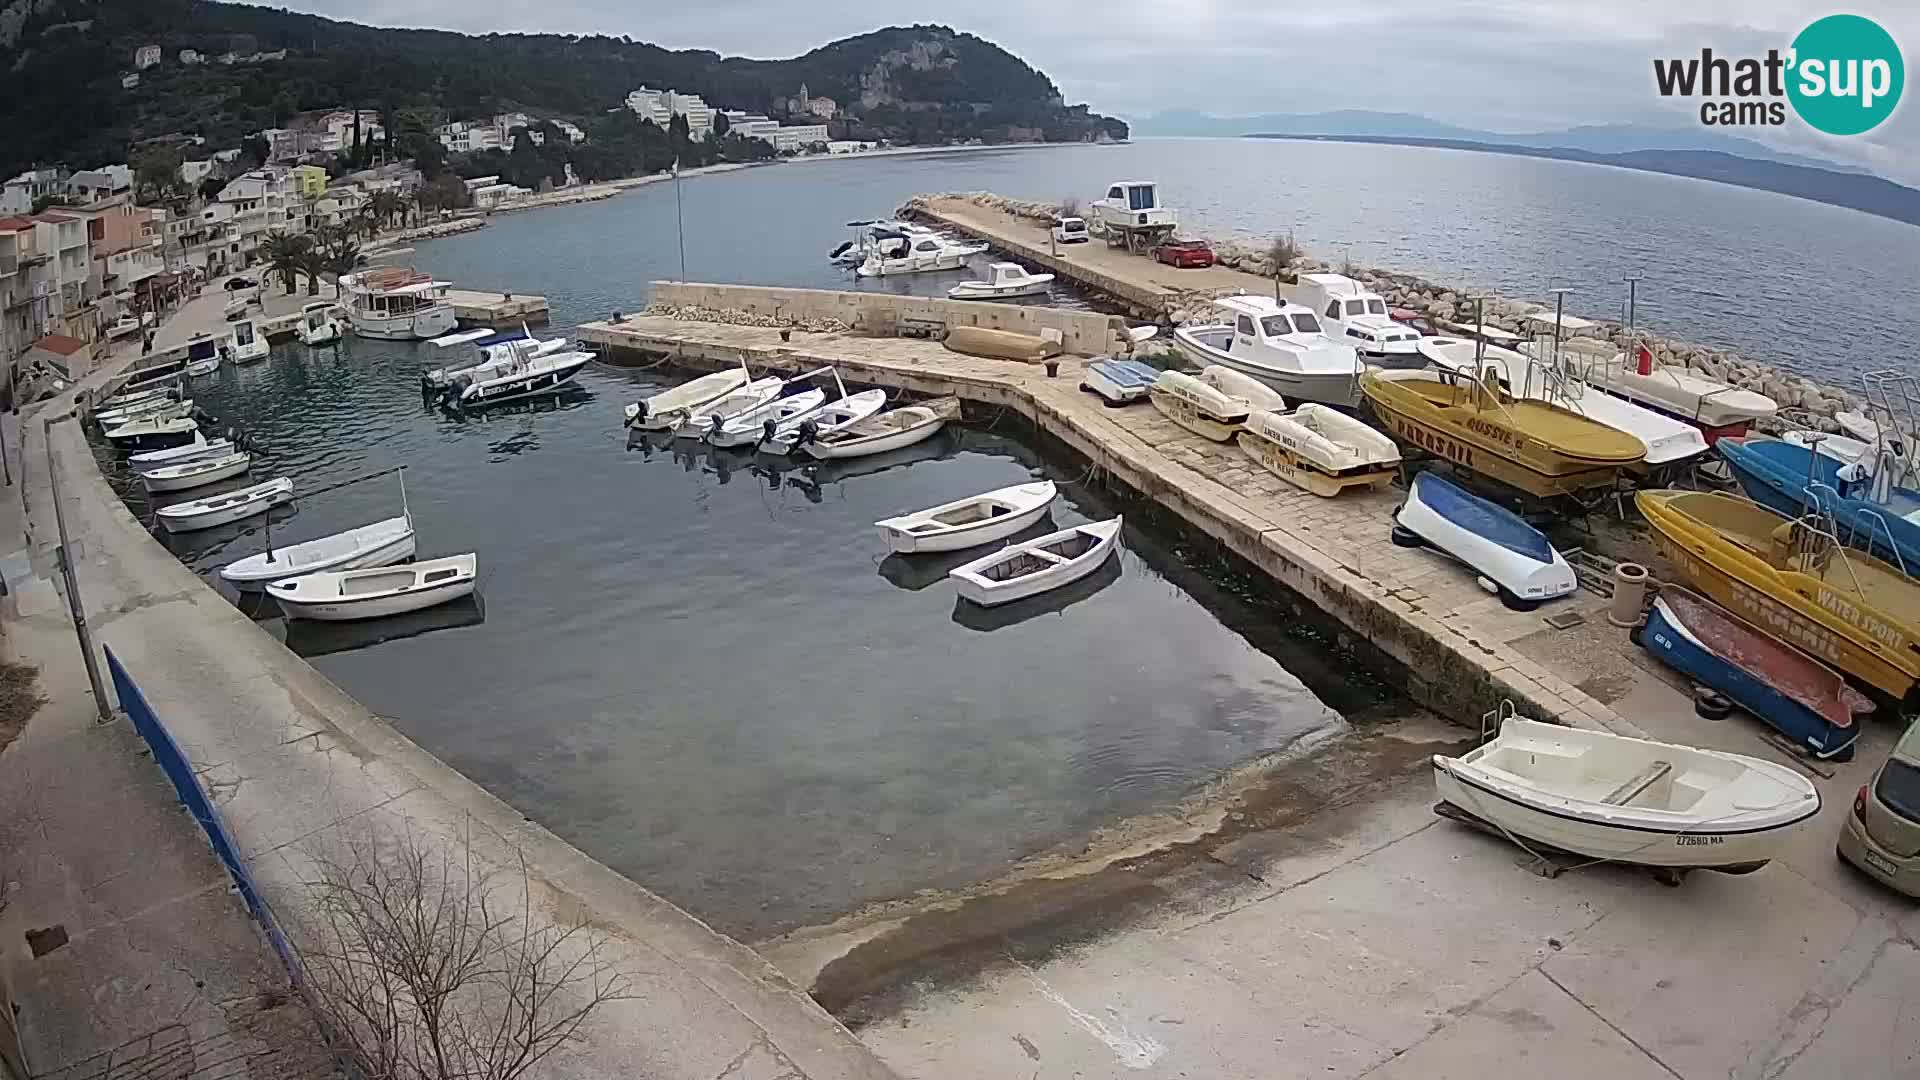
pixel 1492 541
pixel 969 522
pixel 1612 798
pixel 1719 409
pixel 349 595
pixel 1031 567
pixel 1198 407
pixel 215 510
pixel 1320 449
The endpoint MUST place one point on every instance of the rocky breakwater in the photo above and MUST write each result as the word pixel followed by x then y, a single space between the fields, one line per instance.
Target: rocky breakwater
pixel 1805 402
pixel 431 231
pixel 737 317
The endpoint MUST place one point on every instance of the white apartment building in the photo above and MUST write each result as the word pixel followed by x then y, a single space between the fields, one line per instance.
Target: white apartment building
pixel 750 125
pixel 798 137
pixel 465 138
pixel 27 292
pixel 262 201
pixel 193 172
pixel 661 106
pixel 335 130
pixel 63 238
pixel 91 185
pixel 20 193
pixel 146 56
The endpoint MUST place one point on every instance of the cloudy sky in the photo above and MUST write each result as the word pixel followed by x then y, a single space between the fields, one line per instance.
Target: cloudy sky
pixel 1517 65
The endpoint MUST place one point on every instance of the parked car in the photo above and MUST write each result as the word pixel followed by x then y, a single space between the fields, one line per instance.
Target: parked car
pixel 1882 834
pixel 237 283
pixel 1070 230
pixel 1185 254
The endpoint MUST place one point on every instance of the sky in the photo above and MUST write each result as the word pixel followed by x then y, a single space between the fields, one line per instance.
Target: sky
pixel 1505 65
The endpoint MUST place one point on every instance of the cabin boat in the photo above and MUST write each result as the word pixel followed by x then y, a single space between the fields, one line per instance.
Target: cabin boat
pixel 1534 446
pixel 1636 801
pixel 226 508
pixel 886 238
pixel 397 303
pixel 667 408
pixel 493 352
pixel 1281 344
pixel 925 253
pixel 1132 216
pixel 1845 608
pixel 969 522
pixel 382 543
pixel 245 342
pixel 318 327
pixel 528 371
pixel 756 426
pixel 1351 312
pixel 894 429
pixel 1256 394
pixel 1005 280
pixel 376 592
pixel 1869 512
pixel 1798 696
pixel 1198 407
pixel 1031 567
pixel 203 355
pixel 1719 409
pixel 1319 449
pixel 1119 382
pixel 828 421
pixel 129 324
pixel 1492 541
pixel 199 447
pixel 187 475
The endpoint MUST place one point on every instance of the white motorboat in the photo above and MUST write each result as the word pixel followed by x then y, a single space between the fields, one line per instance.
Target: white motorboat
pixel 1351 312
pixel 494 351
pixel 1512 556
pixel 759 425
pixel 830 420
pixel 1005 280
pixel 1719 408
pixel 1320 449
pixel 245 343
pixel 887 238
pixel 199 447
pixel 203 355
pixel 894 429
pixel 1282 345
pixel 1636 801
pixel 200 472
pixel 667 408
pixel 225 508
pixel 1198 407
pixel 969 522
pixel 150 434
pixel 924 253
pixel 1256 394
pixel 382 543
pixel 137 397
pixel 1861 427
pixel 1119 382
pixel 697 421
pixel 397 303
pixel 318 327
pixel 347 595
pixel 158 409
pixel 1018 571
pixel 528 373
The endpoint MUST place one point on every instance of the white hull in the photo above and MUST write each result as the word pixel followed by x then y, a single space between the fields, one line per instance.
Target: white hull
pixel 920 430
pixel 180 455
pixel 541 375
pixel 1198 407
pixel 965 523
pixel 352 595
pixel 912 264
pixel 142 432
pixel 1336 388
pixel 1682 393
pixel 1004 282
pixel 416 326
pixel 204 367
pixel 665 409
pixel 1119 381
pixel 750 428
pixel 151 410
pixel 697 422
pixel 1528 578
pixel 1031 568
pixel 830 420
pixel 251 354
pixel 192 474
pixel 1629 800
pixel 225 509
pixel 315 337
pixel 1256 394
pixel 382 543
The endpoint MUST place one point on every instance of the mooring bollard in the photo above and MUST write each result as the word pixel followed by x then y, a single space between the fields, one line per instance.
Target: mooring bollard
pixel 1053 368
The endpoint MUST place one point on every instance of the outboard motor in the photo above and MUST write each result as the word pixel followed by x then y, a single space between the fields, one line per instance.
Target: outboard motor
pixel 636 413
pixel 766 431
pixel 839 251
pixel 716 426
pixel 809 431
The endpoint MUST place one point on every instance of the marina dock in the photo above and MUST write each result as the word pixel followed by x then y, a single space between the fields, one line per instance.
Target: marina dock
pixel 1461 651
pixel 497 309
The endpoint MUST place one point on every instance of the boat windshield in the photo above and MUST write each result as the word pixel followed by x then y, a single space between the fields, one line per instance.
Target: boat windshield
pixel 1376 306
pixel 1899 788
pixel 1278 326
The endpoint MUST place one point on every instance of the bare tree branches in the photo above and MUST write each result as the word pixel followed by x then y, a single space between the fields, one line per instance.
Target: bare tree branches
pixel 426 967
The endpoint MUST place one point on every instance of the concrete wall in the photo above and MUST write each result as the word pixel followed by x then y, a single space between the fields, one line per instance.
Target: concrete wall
pixel 1084 333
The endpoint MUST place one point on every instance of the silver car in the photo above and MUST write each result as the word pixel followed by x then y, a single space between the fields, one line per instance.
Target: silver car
pixel 1882 835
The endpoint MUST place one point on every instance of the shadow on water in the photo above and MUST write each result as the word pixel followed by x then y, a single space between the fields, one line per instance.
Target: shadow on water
pixel 916 572
pixel 310 638
pixel 1052 602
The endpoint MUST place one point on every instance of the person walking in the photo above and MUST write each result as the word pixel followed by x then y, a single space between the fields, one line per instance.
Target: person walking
pixel 146 349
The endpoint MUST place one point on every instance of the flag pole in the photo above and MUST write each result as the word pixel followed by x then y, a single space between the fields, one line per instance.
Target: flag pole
pixel 680 219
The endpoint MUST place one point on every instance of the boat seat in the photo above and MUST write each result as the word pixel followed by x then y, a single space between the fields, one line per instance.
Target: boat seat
pixel 1638 783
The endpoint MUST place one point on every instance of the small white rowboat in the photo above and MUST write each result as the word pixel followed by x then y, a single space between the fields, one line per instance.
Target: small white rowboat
pixel 758 425
pixel 382 543
pixel 969 522
pixel 669 407
pixel 894 429
pixel 197 473
pixel 1021 570
pixel 224 509
pixel 347 595
pixel 145 432
pixel 200 447
pixel 1636 801
pixel 828 422
pixel 1320 449
pixel 695 422
pixel 1198 407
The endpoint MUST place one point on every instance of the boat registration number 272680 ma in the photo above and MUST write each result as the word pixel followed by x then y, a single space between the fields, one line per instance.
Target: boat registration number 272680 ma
pixel 1698 841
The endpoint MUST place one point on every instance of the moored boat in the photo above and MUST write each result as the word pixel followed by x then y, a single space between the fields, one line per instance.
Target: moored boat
pixel 396 303
pixel 187 475
pixel 1030 567
pixel 203 355
pixel 381 543
pixel 226 508
pixel 318 327
pixel 894 429
pixel 348 595
pixel 1803 699
pixel 828 421
pixel 199 447
pixel 245 343
pixel 147 433
pixel 525 374
pixel 697 421
pixel 760 425
pixel 970 522
pixel 1119 382
pixel 1627 800
pixel 159 409
pixel 1319 449
pixel 1492 541
pixel 1198 407
pixel 1005 281
pixel 667 408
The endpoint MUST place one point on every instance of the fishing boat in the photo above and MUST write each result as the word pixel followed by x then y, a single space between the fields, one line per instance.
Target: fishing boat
pixel 1280 344
pixel 382 543
pixel 200 472
pixel 969 522
pixel 245 343
pixel 1119 382
pixel 828 421
pixel 1854 612
pixel 1869 512
pixel 318 327
pixel 203 355
pixel 1030 567
pixel 226 508
pixel 1256 394
pixel 894 429
pixel 757 426
pixel 151 434
pixel 199 447
pixel 349 595
pixel 1319 449
pixel 1356 314
pixel 526 373
pixel 1005 281
pixel 1492 541
pixel 1534 446
pixel 1796 695
pixel 1719 409
pixel 397 303
pixel 667 408
pixel 1198 407
pixel 1636 801
pixel 697 421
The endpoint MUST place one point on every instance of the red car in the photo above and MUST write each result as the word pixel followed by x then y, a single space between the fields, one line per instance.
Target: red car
pixel 1185 254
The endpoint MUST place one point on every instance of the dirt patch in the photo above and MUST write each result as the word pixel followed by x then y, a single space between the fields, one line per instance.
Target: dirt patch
pixel 20 698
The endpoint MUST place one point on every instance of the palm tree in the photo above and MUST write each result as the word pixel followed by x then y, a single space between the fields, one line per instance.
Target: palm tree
pixel 313 262
pixel 283 252
pixel 386 206
pixel 343 256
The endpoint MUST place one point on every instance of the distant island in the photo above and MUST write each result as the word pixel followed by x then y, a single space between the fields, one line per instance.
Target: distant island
pixel 1855 191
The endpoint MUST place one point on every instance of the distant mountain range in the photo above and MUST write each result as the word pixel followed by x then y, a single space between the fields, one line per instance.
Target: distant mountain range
pixel 1592 138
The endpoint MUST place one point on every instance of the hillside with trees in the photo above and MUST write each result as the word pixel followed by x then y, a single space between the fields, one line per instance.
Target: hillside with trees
pixel 62 63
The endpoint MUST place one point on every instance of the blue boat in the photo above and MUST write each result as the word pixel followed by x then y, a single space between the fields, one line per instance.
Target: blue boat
pixel 1794 480
pixel 1790 691
pixel 1120 381
pixel 1491 540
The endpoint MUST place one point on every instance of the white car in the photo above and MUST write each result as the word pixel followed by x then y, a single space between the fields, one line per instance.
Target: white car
pixel 1070 230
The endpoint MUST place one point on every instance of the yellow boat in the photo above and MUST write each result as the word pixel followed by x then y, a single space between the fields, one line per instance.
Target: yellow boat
pixel 1795 581
pixel 1537 447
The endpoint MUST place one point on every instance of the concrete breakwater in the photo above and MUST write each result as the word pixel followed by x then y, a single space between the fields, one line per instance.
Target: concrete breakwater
pixel 1816 403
